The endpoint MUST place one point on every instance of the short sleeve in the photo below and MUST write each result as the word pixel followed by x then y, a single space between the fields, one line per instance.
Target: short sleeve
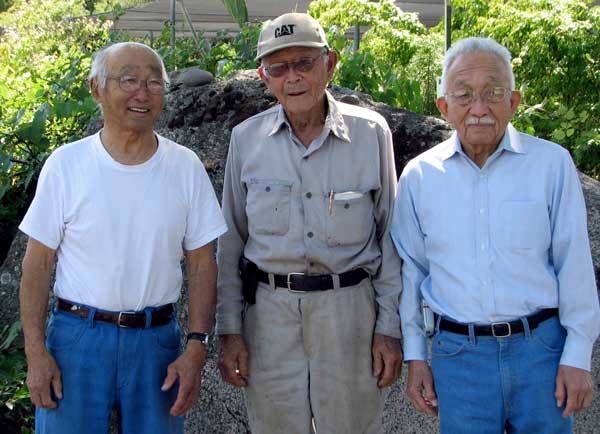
pixel 205 220
pixel 44 220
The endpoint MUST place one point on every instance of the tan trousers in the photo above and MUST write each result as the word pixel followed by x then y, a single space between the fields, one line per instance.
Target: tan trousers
pixel 310 357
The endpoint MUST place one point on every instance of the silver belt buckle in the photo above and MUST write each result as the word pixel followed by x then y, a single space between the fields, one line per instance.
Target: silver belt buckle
pixel 501 336
pixel 289 282
pixel 121 316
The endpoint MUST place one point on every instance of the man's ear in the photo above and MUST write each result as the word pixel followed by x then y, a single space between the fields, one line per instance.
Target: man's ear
pixel 515 100
pixel 263 76
pixel 331 63
pixel 94 88
pixel 442 105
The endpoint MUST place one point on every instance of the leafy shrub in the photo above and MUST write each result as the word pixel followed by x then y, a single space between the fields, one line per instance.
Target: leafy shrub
pixel 221 55
pixel 556 50
pixel 44 100
pixel 16 410
pixel 397 61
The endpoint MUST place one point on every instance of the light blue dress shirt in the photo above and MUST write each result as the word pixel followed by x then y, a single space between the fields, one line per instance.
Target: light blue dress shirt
pixel 497 243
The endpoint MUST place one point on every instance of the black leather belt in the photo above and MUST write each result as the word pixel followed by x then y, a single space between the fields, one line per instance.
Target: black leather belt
pixel 300 282
pixel 160 316
pixel 500 329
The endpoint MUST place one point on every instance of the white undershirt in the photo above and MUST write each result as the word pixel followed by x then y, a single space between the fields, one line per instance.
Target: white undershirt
pixel 120 231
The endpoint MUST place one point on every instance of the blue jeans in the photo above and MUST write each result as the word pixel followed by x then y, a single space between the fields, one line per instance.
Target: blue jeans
pixel 106 367
pixel 487 385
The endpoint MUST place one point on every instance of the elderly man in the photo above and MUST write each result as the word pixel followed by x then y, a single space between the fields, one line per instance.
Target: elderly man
pixel 119 209
pixel 491 225
pixel 308 194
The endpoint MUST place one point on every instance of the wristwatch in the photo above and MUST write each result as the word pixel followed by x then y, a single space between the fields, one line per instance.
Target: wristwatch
pixel 198 336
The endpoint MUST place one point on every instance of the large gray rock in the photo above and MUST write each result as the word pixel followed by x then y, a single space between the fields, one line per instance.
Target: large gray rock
pixel 201 118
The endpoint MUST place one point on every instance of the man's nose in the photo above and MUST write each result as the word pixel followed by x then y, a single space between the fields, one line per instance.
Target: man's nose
pixel 479 107
pixel 292 75
pixel 142 91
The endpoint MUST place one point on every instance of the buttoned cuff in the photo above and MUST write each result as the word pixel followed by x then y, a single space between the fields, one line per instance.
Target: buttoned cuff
pixel 577 352
pixel 415 347
pixel 388 325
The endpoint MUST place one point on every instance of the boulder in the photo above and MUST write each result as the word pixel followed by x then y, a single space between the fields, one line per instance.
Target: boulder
pixel 191 77
pixel 201 118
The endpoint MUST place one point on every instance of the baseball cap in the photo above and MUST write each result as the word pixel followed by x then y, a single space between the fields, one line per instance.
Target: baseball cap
pixel 290 30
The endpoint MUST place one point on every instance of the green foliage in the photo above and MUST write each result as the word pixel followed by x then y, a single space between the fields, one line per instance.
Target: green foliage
pixel 16 409
pixel 397 61
pixel 556 59
pixel 220 56
pixel 44 100
pixel 5 4
pixel 238 11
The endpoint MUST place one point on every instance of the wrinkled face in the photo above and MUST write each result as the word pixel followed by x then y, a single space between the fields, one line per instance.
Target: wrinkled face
pixel 299 92
pixel 130 110
pixel 482 122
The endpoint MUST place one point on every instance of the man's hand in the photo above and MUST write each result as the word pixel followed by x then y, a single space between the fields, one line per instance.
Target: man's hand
pixel 387 359
pixel 576 387
pixel 233 360
pixel 420 388
pixel 188 369
pixel 42 374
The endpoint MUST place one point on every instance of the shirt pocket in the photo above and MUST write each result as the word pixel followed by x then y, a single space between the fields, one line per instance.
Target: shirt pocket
pixel 525 225
pixel 268 206
pixel 349 218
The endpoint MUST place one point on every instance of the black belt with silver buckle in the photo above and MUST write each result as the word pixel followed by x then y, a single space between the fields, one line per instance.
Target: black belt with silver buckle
pixel 300 282
pixel 500 329
pixel 160 316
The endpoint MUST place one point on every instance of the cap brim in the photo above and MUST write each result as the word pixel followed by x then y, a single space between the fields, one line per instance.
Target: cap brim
pixel 291 44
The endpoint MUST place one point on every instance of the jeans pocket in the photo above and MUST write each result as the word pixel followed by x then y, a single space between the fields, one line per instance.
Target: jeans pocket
pixel 168 337
pixel 448 345
pixel 550 335
pixel 64 331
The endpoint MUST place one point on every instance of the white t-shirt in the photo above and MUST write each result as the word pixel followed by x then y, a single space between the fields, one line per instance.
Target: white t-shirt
pixel 120 231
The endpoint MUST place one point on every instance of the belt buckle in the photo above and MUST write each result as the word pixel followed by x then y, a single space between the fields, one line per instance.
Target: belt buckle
pixel 121 316
pixel 501 336
pixel 289 283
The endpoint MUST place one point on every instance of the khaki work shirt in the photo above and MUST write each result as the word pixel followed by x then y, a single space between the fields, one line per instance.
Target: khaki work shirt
pixel 325 209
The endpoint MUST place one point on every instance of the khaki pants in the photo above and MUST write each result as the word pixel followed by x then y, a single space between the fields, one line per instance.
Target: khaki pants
pixel 310 357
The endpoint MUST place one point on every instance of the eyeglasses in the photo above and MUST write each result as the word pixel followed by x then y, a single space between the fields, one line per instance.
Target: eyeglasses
pixel 304 64
pixel 130 84
pixel 466 96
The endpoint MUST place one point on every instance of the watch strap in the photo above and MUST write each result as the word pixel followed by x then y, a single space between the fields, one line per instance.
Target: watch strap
pixel 198 336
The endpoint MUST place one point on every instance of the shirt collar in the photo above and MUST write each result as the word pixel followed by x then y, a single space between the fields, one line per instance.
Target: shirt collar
pixel 511 141
pixel 334 120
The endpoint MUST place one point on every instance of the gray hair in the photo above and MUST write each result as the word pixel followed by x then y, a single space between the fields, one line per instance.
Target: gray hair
pixel 477 45
pixel 99 69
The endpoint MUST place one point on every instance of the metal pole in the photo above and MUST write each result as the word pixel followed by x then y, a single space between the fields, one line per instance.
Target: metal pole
pixel 173 21
pixel 356 37
pixel 191 24
pixel 448 23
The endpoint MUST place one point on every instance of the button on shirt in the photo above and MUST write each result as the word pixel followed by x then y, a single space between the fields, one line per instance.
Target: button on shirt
pixel 497 243
pixel 321 210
